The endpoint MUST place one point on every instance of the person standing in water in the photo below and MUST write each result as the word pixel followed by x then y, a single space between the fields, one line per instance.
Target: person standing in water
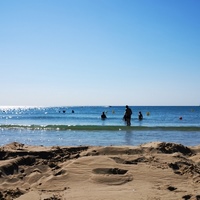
pixel 127 116
pixel 140 116
pixel 103 116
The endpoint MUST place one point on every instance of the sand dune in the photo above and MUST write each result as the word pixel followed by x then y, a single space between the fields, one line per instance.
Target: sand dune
pixel 150 171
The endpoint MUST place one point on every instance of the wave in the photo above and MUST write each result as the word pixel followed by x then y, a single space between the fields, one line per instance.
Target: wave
pixel 100 128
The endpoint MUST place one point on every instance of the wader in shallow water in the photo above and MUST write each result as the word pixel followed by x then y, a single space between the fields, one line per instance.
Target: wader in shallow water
pixel 127 117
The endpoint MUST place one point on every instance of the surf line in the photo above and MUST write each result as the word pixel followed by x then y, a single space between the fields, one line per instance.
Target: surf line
pixel 101 128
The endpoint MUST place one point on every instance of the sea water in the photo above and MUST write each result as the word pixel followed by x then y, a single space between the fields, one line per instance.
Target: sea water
pixel 82 125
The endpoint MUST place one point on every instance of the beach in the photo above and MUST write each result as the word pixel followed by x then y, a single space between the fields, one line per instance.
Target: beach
pixel 100 100
pixel 155 170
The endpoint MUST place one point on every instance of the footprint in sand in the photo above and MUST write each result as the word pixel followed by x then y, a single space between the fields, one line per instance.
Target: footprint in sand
pixel 109 171
pixel 111 176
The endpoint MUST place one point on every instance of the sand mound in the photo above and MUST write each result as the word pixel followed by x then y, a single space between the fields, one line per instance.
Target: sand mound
pixel 150 171
pixel 172 148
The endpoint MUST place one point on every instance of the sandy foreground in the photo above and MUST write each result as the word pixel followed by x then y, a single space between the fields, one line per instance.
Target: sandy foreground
pixel 155 170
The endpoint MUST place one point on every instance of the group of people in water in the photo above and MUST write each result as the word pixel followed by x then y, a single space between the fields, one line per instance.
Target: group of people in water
pixel 127 115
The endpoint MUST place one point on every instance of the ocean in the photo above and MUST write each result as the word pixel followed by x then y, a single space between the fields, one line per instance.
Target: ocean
pixel 82 125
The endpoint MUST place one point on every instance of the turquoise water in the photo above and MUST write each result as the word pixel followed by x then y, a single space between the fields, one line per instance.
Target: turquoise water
pixel 50 126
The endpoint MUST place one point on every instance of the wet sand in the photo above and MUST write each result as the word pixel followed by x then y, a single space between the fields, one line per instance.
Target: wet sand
pixel 156 170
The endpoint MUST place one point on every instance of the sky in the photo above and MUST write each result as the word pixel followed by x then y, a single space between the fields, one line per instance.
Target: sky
pixel 99 52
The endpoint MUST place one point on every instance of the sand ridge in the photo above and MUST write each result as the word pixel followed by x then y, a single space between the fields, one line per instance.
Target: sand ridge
pixel 156 170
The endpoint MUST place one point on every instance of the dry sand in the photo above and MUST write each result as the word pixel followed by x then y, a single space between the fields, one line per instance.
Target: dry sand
pixel 150 171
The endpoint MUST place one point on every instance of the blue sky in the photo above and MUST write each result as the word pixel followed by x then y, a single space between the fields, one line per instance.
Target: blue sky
pixel 99 52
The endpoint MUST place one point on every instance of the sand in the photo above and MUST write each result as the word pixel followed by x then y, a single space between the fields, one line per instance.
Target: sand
pixel 156 170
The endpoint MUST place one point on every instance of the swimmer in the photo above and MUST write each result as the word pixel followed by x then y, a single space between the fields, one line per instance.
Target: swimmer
pixel 103 115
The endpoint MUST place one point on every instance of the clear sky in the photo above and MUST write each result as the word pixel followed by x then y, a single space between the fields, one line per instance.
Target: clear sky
pixel 99 52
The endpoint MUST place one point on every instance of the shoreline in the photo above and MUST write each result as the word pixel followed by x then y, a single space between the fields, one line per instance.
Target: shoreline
pixel 155 170
pixel 100 127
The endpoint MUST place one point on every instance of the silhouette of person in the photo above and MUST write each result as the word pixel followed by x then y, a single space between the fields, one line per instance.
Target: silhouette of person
pixel 140 116
pixel 103 115
pixel 127 115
